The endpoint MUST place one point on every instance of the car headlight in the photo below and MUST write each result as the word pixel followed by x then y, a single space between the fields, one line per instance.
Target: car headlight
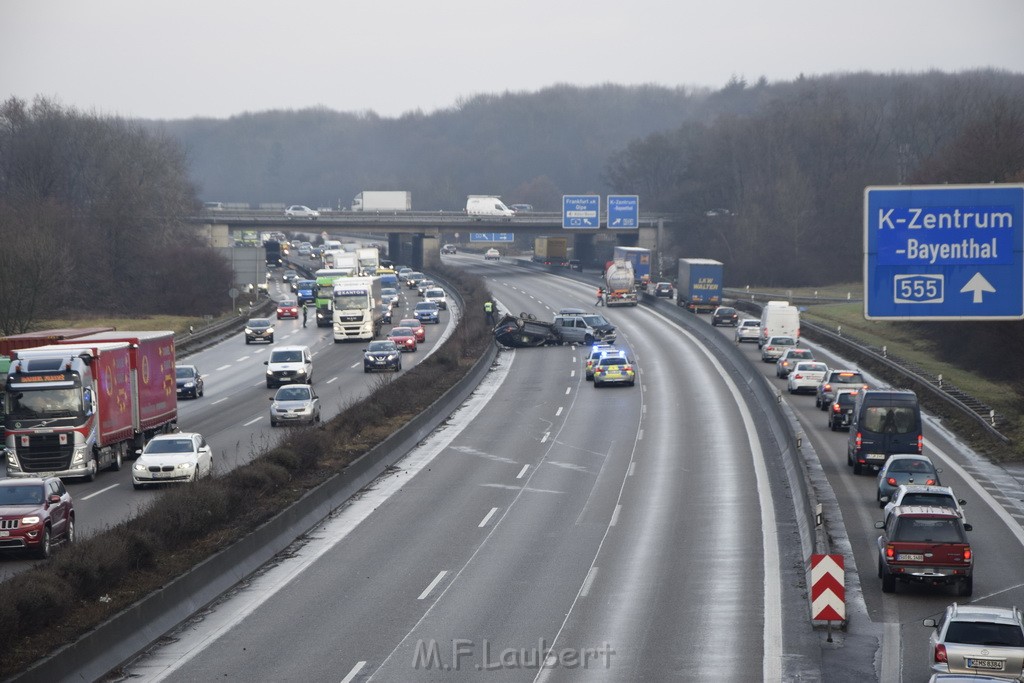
pixel 139 467
pixel 186 465
pixel 189 385
pixel 31 519
pixel 392 356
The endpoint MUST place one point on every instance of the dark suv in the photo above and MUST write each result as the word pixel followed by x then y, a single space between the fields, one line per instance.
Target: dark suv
pixel 925 544
pixel 725 315
pixel 34 514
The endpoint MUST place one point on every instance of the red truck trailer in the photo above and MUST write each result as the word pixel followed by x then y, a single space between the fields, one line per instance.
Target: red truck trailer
pixel 71 409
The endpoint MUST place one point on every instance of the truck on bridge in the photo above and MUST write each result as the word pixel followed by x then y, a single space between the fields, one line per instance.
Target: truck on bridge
pixel 382 200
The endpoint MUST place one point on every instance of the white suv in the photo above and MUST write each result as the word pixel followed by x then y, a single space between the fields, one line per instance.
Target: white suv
pixel 289 365
pixel 748 329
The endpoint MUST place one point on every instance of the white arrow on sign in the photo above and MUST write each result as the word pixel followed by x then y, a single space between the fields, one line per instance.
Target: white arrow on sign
pixel 977 284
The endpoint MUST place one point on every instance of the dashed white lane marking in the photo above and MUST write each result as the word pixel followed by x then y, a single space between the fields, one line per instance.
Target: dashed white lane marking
pixel 433 584
pixel 588 582
pixel 522 472
pixel 487 518
pixel 252 422
pixel 93 495
pixel 354 672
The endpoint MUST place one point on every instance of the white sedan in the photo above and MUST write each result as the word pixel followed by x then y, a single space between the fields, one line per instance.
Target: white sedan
pixel 300 211
pixel 806 375
pixel 492 255
pixel 173 458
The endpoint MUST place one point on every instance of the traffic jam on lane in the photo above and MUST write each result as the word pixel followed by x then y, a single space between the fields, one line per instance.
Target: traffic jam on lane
pixel 216 390
pixel 920 555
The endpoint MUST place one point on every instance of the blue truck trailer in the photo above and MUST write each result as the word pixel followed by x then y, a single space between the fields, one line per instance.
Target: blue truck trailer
pixel 699 284
pixel 639 257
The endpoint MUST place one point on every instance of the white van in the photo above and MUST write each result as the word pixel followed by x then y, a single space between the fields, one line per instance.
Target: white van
pixel 487 205
pixel 779 319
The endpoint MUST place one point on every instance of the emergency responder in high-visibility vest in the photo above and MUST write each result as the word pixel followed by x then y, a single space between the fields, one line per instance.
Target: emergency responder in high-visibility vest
pixel 489 311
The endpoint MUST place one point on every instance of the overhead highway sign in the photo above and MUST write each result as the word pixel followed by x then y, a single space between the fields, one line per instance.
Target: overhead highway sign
pixel 581 211
pixel 944 252
pixel 623 211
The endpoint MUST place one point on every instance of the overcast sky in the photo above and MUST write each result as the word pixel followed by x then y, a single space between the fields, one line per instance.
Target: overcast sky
pixel 184 58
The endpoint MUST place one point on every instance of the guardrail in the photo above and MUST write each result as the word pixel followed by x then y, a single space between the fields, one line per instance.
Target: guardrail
pixel 914 376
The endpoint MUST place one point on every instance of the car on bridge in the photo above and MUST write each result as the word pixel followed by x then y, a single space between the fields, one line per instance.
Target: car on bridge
pixel 300 211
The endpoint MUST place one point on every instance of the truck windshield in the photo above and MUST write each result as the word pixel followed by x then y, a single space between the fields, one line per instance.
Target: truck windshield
pixel 350 302
pixel 45 403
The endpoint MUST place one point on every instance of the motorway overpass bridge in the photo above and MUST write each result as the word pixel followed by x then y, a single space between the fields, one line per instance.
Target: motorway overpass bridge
pixel 415 237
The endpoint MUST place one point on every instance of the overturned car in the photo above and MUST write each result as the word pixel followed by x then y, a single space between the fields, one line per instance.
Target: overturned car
pixel 525 330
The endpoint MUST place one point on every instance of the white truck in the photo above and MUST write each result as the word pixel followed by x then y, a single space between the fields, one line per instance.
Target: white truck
pixel 357 309
pixel 368 259
pixel 487 205
pixel 619 285
pixel 382 200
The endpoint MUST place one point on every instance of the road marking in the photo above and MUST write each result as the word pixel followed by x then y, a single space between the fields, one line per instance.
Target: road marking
pixel 559 411
pixel 93 495
pixel 354 672
pixel 433 584
pixel 588 582
pixel 544 438
pixel 640 435
pixel 572 374
pixel 219 400
pixel 632 467
pixel 354 365
pixel 568 389
pixel 487 518
pixel 332 379
pixel 252 422
pixel 240 360
pixel 615 516
pixel 522 472
pixel 223 367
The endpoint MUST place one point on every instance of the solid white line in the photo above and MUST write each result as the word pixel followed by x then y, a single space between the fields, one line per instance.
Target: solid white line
pixel 433 584
pixel 559 411
pixel 522 472
pixel 487 518
pixel 568 389
pixel 93 495
pixel 544 438
pixel 331 379
pixel 252 422
pixel 588 582
pixel 615 516
pixel 223 367
pixel 355 670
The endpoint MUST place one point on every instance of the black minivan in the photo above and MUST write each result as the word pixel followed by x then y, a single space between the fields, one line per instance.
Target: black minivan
pixel 885 421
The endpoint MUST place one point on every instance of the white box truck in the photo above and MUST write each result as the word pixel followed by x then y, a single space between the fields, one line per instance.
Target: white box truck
pixel 382 200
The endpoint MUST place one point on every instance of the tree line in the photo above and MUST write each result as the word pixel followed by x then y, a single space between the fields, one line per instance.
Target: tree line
pixel 91 220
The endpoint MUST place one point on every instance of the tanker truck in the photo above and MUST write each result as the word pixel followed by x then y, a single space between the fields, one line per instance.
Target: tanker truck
pixel 619 285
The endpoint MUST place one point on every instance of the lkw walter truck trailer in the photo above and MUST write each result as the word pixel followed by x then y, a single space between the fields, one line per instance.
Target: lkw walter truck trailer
pixel 70 410
pixel 699 284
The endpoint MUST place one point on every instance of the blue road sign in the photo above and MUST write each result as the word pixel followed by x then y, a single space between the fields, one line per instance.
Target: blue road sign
pixel 623 211
pixel 492 237
pixel 581 211
pixel 944 252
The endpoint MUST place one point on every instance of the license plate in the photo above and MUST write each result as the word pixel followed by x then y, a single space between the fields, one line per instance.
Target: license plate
pixel 910 558
pixel 987 664
pixel 875 456
pixel 4 533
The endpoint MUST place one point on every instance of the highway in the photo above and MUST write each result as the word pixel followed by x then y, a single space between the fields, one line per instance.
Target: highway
pixel 550 531
pixel 233 414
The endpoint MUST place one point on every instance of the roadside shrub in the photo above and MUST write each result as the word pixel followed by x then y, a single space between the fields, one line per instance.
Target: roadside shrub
pixel 185 513
pixel 11 626
pixel 284 456
pixel 39 597
pixel 91 567
pixel 259 477
pixel 307 445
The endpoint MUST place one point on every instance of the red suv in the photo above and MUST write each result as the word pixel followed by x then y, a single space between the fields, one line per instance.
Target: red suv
pixel 35 514
pixel 925 544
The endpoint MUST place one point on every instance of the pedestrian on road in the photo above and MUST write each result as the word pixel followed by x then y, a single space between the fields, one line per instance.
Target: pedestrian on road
pixel 600 296
pixel 305 312
pixel 489 311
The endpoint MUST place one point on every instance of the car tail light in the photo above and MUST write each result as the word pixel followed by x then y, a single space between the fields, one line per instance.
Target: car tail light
pixel 828 387
pixel 891 481
pixel 835 407
pixel 857 441
pixel 930 482
pixel 920 443
pixel 940 653
pixel 627 368
pixel 968 554
pixel 890 552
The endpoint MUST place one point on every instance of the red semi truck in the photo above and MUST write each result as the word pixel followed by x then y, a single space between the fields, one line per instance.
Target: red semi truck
pixel 87 404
